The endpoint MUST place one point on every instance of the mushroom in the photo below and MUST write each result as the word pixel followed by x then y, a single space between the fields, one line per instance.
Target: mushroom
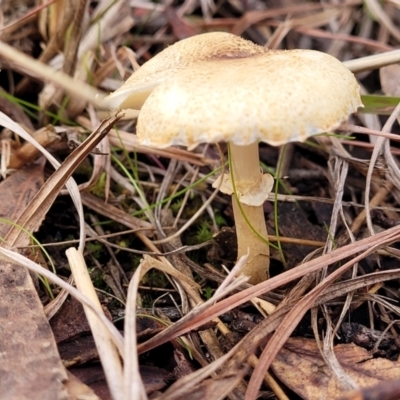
pixel 208 46
pixel 217 86
pixel 270 96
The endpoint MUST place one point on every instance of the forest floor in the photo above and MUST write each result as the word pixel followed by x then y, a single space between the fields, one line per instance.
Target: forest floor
pixel 116 258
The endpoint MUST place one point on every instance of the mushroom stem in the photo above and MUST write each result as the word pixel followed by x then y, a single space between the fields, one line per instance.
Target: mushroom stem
pixel 245 166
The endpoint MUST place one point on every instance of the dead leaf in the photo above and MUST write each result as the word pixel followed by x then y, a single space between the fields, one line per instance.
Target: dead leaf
pixel 29 359
pixel 78 351
pixel 17 191
pixel 300 366
pixel 70 321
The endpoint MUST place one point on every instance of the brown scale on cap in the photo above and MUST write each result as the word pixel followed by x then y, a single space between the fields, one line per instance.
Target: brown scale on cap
pixel 167 63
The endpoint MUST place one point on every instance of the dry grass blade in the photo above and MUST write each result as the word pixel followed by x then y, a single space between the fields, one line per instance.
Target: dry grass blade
pixel 373 62
pixel 389 159
pixel 198 317
pixel 25 262
pixel 378 13
pixel 367 131
pixel 70 183
pixel 21 310
pixel 212 389
pixel 295 315
pixel 149 262
pixel 130 142
pixel 69 54
pixel 133 384
pixel 41 203
pixel 264 328
pixel 8 29
pixel 342 288
pixel 189 382
pixel 22 288
pixel 106 348
pixel 253 17
pixel 37 69
pixel 187 321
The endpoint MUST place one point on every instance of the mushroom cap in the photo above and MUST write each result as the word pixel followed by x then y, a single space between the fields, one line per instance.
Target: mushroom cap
pixel 275 97
pixel 207 46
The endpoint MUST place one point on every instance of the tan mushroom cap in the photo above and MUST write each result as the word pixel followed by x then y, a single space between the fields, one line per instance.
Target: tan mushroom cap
pixel 276 97
pixel 207 46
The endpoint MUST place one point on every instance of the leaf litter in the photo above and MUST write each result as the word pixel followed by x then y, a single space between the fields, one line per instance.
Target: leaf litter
pixel 217 336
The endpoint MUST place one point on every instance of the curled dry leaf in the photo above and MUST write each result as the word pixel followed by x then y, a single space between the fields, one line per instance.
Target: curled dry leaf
pixel 300 366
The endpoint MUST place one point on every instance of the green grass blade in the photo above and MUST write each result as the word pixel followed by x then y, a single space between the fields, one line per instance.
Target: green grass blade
pixel 378 104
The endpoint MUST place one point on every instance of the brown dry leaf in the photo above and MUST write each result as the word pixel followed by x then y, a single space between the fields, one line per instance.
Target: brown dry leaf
pixel 17 191
pixel 30 361
pixel 70 321
pixel 300 366
pixel 78 352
